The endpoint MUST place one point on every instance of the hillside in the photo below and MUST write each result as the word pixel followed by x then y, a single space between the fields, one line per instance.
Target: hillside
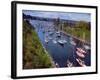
pixel 34 55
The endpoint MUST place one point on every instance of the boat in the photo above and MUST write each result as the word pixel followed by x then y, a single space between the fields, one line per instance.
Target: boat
pixel 49 38
pixel 80 54
pixel 46 40
pixel 62 41
pixel 58 34
pixel 81 63
pixel 50 33
pixel 69 64
pixel 81 50
pixel 86 47
pixel 73 43
pixel 56 64
pixel 54 41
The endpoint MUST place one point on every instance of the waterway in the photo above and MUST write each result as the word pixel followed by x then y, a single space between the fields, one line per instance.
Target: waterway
pixel 60 53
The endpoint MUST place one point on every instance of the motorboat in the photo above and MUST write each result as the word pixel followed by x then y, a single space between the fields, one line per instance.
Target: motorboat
pixel 81 50
pixel 81 63
pixel 73 43
pixel 80 54
pixel 86 47
pixel 62 41
pixel 46 40
pixel 54 41
pixel 58 34
pixel 50 33
pixel 56 64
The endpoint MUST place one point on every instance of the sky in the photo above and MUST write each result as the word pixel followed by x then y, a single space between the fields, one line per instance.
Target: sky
pixel 61 15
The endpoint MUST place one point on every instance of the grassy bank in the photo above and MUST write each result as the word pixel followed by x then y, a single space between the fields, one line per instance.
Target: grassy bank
pixel 34 55
pixel 81 30
pixel 79 33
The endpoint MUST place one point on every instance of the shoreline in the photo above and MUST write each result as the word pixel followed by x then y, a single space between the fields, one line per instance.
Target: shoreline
pixel 75 37
pixel 48 54
pixel 51 59
pixel 53 63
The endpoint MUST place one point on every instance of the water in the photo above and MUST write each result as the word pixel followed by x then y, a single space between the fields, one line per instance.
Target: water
pixel 59 53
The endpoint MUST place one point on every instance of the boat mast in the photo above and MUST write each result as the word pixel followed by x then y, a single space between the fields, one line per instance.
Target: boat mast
pixel 83 38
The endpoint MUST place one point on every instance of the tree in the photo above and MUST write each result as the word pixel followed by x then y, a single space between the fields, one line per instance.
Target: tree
pixel 83 25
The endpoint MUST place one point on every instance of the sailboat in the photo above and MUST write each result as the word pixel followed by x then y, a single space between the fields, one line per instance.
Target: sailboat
pixel 46 38
pixel 54 41
pixel 81 50
pixel 80 54
pixel 57 65
pixel 81 63
pixel 86 47
pixel 62 41
pixel 72 41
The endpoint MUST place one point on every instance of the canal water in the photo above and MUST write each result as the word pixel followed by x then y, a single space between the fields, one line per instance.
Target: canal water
pixel 60 53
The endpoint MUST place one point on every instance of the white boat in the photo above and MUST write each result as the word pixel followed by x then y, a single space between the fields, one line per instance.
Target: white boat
pixel 58 35
pixel 80 54
pixel 81 63
pixel 58 32
pixel 57 65
pixel 62 41
pixel 73 43
pixel 81 50
pixel 87 47
pixel 46 40
pixel 54 41
pixel 50 33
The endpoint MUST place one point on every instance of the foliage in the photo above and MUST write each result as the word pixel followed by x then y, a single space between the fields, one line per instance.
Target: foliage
pixel 81 30
pixel 34 55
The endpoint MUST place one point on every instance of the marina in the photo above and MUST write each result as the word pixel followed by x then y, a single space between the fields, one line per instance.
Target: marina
pixel 65 50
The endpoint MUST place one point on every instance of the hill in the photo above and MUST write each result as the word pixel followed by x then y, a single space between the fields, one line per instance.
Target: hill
pixel 34 55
